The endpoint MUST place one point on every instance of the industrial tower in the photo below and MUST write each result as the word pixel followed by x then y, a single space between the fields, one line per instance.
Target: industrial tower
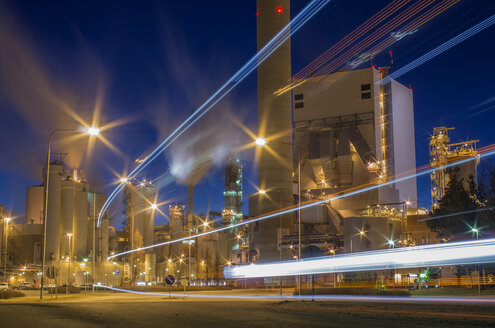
pixel 442 153
pixel 275 125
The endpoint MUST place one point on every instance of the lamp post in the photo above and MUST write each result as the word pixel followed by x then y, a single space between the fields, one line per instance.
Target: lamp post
pixel 477 232
pixel 68 265
pixel 6 254
pixel 91 131
pixel 260 142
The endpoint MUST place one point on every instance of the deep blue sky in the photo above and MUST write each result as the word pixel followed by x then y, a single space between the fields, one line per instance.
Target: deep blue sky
pixel 154 62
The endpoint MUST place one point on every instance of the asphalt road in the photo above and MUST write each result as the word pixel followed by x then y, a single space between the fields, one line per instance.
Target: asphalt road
pixel 122 310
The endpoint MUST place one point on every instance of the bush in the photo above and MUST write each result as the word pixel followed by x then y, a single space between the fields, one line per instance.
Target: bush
pixel 10 293
pixel 353 291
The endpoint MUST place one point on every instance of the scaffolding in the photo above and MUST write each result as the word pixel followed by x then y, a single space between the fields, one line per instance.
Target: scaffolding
pixel 442 152
pixel 232 212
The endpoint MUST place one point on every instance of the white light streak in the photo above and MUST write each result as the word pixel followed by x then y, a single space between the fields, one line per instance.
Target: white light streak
pixel 468 252
pixel 440 49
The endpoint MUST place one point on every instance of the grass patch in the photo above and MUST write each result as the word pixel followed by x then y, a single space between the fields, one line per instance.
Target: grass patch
pixel 177 288
pixel 364 291
pixel 452 291
pixel 4 294
pixel 63 290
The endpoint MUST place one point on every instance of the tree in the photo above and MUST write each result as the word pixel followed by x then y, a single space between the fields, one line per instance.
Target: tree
pixel 456 200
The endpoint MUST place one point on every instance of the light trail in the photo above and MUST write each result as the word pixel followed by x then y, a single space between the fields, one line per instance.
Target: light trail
pixel 280 38
pixel 315 297
pixel 467 252
pixel 458 213
pixel 296 208
pixel 440 49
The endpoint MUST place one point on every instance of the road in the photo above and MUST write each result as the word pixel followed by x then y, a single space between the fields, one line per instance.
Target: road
pixel 128 310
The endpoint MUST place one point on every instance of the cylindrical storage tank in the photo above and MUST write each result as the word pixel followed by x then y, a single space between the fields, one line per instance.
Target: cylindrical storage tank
pixel 176 217
pixel 103 239
pixel 150 269
pixel 67 216
pixel 34 205
pixel 53 230
pixel 149 218
pixel 80 225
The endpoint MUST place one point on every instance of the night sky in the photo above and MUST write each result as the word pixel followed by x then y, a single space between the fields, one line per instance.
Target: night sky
pixel 148 65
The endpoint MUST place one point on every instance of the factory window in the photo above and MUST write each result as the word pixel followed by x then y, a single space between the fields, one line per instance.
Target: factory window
pixel 299 105
pixel 299 97
pixel 366 95
pixel 365 87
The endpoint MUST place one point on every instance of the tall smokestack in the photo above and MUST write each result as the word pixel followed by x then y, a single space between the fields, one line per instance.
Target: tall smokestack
pixel 275 125
pixel 190 211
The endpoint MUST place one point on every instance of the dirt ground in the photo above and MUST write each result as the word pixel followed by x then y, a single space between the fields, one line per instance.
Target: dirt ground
pixel 132 311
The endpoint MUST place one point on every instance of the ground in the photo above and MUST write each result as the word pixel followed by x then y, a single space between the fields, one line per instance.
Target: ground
pixel 125 310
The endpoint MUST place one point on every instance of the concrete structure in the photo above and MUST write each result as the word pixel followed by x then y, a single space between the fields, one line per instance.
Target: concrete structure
pixel 356 132
pixel 275 125
pixel 34 205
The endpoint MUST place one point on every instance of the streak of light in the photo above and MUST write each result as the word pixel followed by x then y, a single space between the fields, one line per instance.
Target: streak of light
pixel 296 208
pixel 440 49
pixel 466 252
pixel 280 38
pixel 458 213
pixel 372 22
pixel 316 297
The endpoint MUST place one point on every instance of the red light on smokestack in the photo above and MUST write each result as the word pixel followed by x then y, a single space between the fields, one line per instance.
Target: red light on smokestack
pixel 280 10
pixel 257 14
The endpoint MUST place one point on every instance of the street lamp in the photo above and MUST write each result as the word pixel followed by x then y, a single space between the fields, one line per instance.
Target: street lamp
pixel 91 131
pixel 6 254
pixel 260 141
pixel 68 266
pixel 154 206
pixel 476 231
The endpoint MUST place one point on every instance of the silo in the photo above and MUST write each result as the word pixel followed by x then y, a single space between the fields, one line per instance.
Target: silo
pixel 53 221
pixel 176 214
pixel 67 216
pixel 80 225
pixel 275 125
pixel 148 217
pixel 34 205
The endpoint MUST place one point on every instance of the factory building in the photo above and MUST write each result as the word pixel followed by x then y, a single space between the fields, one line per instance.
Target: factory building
pixel 71 231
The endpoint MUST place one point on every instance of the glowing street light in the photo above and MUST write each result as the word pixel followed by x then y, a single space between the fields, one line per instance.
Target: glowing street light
pixel 93 131
pixel 261 191
pixel 361 233
pixel 154 206
pixel 260 141
pixel 123 180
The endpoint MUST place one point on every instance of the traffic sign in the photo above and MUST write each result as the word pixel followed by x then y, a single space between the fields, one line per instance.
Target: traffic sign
pixel 169 279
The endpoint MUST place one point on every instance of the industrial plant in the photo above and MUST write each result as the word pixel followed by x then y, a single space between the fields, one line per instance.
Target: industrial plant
pixel 319 136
